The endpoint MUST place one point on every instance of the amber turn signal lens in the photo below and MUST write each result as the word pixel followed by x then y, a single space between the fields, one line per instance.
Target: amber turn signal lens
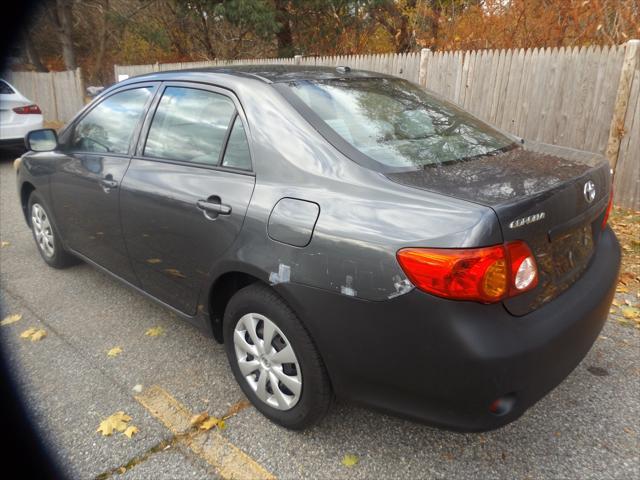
pixel 494 281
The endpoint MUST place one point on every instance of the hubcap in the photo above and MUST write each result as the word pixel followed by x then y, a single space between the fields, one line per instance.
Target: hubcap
pixel 267 361
pixel 42 229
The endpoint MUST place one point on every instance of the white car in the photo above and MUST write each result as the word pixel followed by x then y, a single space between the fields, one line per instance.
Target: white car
pixel 18 115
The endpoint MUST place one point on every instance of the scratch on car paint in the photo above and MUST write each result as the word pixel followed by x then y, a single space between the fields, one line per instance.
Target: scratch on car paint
pixel 348 288
pixel 402 286
pixel 283 275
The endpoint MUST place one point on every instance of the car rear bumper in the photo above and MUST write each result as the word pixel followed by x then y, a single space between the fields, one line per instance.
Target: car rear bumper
pixel 15 131
pixel 445 362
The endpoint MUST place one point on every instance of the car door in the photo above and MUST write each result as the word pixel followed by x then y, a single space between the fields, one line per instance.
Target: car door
pixel 186 192
pixel 94 155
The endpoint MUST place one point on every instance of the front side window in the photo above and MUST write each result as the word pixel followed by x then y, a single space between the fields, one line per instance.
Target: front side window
pixel 190 125
pixel 396 123
pixel 108 128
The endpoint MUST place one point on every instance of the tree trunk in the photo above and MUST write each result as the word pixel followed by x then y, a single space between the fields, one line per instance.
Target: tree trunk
pixel 404 36
pixel 64 23
pixel 284 36
pixel 32 56
pixel 205 37
pixel 435 23
pixel 102 42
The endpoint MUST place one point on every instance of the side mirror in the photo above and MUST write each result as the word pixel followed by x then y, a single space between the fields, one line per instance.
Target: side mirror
pixel 44 140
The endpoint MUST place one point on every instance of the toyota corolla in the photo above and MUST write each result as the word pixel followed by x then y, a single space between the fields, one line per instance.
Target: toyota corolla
pixel 344 233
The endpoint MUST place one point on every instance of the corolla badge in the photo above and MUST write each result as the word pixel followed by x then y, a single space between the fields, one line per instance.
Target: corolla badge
pixel 536 217
pixel 589 191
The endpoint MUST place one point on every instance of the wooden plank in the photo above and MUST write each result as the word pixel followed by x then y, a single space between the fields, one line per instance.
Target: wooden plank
pixel 632 51
pixel 627 176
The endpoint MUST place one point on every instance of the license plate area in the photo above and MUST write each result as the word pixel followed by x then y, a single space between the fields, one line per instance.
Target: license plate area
pixel 571 253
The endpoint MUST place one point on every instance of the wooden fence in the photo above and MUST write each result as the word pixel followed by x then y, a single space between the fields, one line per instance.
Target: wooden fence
pixel 58 94
pixel 584 98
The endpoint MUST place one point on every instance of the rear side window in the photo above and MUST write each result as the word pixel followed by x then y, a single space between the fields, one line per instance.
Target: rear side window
pixel 190 125
pixel 108 128
pixel 5 89
pixel 237 153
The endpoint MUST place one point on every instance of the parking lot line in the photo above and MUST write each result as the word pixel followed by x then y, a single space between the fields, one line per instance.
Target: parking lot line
pixel 229 461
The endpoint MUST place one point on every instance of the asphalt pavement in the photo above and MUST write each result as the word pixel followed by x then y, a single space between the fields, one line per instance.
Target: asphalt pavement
pixel 588 427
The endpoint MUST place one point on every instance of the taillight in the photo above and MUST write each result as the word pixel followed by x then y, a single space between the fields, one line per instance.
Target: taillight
pixel 607 212
pixel 487 274
pixel 28 109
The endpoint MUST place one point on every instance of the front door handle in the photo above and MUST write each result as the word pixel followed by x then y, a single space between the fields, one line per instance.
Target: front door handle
pixel 108 184
pixel 212 207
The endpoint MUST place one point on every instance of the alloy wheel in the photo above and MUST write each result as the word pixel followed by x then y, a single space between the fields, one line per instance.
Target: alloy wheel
pixel 43 230
pixel 267 361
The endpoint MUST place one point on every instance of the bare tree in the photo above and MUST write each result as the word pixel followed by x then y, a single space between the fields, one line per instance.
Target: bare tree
pixel 62 17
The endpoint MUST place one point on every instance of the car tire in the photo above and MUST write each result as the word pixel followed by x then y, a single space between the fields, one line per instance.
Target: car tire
pixel 46 235
pixel 285 405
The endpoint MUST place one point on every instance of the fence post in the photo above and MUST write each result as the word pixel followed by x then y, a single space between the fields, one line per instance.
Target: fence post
pixel 79 85
pixel 616 131
pixel 422 75
pixel 297 59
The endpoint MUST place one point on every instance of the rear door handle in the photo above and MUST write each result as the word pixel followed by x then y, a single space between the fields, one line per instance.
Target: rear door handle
pixel 213 208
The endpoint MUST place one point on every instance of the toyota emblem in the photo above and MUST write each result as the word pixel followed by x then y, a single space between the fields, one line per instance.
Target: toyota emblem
pixel 589 191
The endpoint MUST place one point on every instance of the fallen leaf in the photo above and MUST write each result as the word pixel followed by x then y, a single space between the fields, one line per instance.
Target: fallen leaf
pixel 154 261
pixel 626 277
pixel 9 319
pixel 154 331
pixel 209 423
pixel 198 419
pixel 630 313
pixel 114 352
pixel 137 388
pixel 28 332
pixel 131 431
pixel 117 421
pixel 174 272
pixel 621 289
pixel 38 335
pixel 236 408
pixel 4 243
pixel 350 460
pixel 616 302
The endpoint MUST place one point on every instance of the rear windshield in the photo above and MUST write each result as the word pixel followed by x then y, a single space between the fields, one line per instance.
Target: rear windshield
pixel 397 124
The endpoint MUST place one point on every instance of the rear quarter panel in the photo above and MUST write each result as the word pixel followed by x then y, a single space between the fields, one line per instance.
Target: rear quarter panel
pixel 364 218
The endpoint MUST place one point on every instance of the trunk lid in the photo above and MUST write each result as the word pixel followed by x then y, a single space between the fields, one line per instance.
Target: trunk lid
pixel 539 194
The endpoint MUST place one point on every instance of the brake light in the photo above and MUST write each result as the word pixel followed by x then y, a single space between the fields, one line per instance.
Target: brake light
pixel 487 274
pixel 607 212
pixel 28 109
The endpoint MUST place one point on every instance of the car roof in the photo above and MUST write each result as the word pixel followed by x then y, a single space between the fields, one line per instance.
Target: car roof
pixel 271 73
